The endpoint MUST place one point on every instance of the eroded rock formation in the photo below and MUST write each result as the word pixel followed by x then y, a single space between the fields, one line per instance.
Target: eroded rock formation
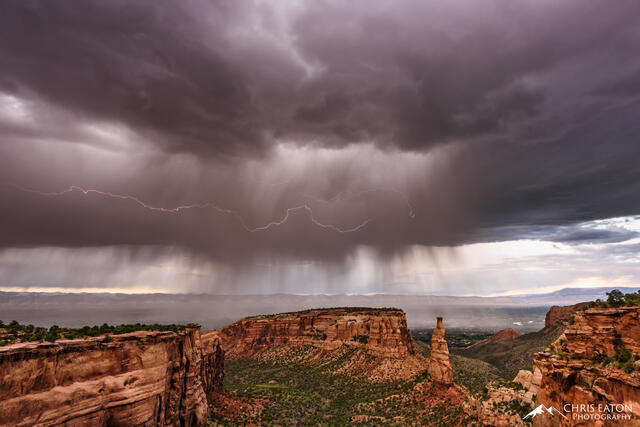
pixel 530 382
pixel 136 379
pixel 381 332
pixel 212 364
pixel 557 315
pixel 592 363
pixel 439 366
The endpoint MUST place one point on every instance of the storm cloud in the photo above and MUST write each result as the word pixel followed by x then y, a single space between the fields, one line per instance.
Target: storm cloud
pixel 240 132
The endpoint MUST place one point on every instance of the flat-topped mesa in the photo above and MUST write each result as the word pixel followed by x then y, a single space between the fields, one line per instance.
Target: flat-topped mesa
pixel 381 332
pixel 159 378
pixel 439 366
pixel 592 363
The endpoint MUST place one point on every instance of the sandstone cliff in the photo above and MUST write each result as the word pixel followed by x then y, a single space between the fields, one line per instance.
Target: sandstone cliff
pixel 136 379
pixel 557 315
pixel 212 365
pixel 592 363
pixel 439 366
pixel 381 332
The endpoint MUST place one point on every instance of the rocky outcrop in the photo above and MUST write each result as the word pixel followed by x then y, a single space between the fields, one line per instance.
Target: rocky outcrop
pixel 439 366
pixel 530 382
pixel 381 332
pixel 135 379
pixel 502 405
pixel 590 367
pixel 505 334
pixel 558 315
pixel 212 364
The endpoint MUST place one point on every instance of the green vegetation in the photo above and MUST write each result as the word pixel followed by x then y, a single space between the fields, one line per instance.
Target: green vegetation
pixel 622 359
pixel 295 393
pixel 509 356
pixel 615 298
pixel 456 339
pixel 521 408
pixel 473 373
pixel 361 338
pixel 16 332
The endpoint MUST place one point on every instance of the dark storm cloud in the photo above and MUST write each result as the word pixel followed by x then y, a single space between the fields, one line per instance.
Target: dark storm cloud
pixel 145 64
pixel 496 120
pixel 202 77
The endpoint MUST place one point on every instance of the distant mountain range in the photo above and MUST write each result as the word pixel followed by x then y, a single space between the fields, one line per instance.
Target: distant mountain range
pixel 567 296
pixel 523 312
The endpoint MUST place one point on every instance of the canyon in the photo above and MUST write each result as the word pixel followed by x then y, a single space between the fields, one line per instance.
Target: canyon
pixel 165 378
pixel 146 378
pixel 341 366
pixel 592 365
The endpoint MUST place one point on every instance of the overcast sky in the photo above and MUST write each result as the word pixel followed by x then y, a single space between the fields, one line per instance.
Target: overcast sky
pixel 456 147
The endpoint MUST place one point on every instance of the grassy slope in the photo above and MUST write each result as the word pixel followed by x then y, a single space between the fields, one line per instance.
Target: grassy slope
pixel 473 373
pixel 510 356
pixel 294 393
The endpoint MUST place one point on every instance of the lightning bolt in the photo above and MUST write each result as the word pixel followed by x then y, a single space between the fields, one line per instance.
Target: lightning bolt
pixel 206 205
pixel 350 196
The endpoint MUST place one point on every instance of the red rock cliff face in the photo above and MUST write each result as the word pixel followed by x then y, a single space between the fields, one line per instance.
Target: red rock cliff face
pixel 380 332
pixel 212 364
pixel 569 374
pixel 137 379
pixel 557 315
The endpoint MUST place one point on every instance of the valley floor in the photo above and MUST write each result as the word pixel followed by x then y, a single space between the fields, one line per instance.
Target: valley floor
pixel 294 391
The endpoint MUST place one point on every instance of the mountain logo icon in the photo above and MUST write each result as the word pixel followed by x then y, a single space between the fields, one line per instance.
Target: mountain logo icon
pixel 541 409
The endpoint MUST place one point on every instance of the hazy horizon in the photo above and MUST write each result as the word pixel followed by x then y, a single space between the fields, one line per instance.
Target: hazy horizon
pixel 525 314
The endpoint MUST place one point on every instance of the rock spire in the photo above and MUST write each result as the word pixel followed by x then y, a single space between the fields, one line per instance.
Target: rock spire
pixel 439 366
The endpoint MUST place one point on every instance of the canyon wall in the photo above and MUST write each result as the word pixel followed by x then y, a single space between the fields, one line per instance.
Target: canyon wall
pixel 136 379
pixel 592 363
pixel 381 332
pixel 557 315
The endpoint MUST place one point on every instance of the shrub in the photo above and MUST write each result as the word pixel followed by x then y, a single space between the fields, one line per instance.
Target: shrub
pixel 52 335
pixel 36 333
pixel 622 355
pixel 513 385
pixel 615 298
pixel 361 338
pixel 617 339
